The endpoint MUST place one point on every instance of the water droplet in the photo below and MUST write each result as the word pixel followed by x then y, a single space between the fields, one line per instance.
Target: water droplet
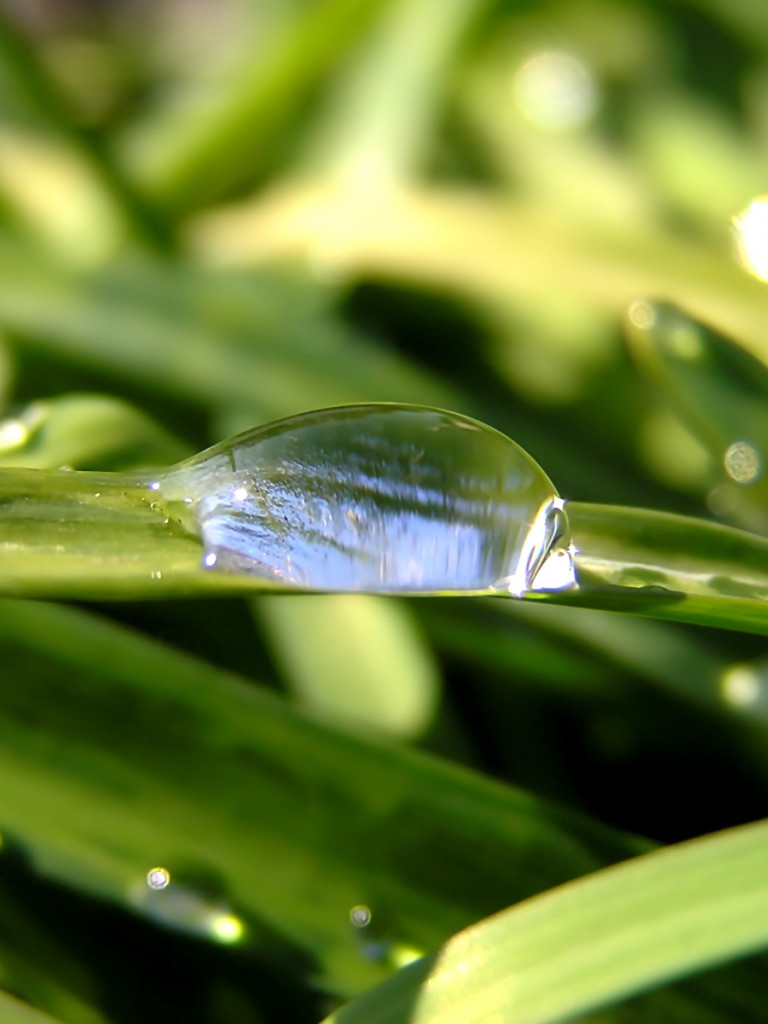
pixel 187 906
pixel 375 498
pixel 360 916
pixel 158 878
pixel 742 462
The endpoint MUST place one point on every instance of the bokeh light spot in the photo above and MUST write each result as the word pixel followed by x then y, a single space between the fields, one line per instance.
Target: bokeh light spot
pixel 751 238
pixel 227 928
pixel 642 315
pixel 739 686
pixel 742 462
pixel 555 91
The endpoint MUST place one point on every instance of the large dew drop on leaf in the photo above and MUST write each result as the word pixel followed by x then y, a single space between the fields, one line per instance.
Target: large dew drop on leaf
pixel 377 498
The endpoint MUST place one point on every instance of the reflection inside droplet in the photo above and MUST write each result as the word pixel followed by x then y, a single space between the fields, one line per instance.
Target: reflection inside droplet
pixel 750 229
pixel 742 462
pixel 555 91
pixel 376 498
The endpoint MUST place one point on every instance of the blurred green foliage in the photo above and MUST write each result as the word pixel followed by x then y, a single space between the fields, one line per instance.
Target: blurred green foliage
pixel 212 215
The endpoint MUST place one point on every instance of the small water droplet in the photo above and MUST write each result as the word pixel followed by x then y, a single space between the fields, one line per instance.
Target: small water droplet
pixel 188 905
pixel 158 878
pixel 360 916
pixel 378 498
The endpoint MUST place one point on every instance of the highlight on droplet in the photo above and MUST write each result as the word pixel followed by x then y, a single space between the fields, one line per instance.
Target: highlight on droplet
pixel 555 91
pixel 158 878
pixel 750 232
pixel 742 462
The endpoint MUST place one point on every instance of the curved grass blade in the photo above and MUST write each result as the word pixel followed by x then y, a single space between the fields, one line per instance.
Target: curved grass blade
pixel 592 942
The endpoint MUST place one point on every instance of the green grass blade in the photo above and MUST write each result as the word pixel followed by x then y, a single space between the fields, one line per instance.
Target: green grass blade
pixel 13 1011
pixel 298 822
pixel 183 160
pixel 220 340
pixel 721 392
pixel 519 253
pixel 669 567
pixel 591 943
pixel 83 432
pixel 377 125
pixel 361 662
